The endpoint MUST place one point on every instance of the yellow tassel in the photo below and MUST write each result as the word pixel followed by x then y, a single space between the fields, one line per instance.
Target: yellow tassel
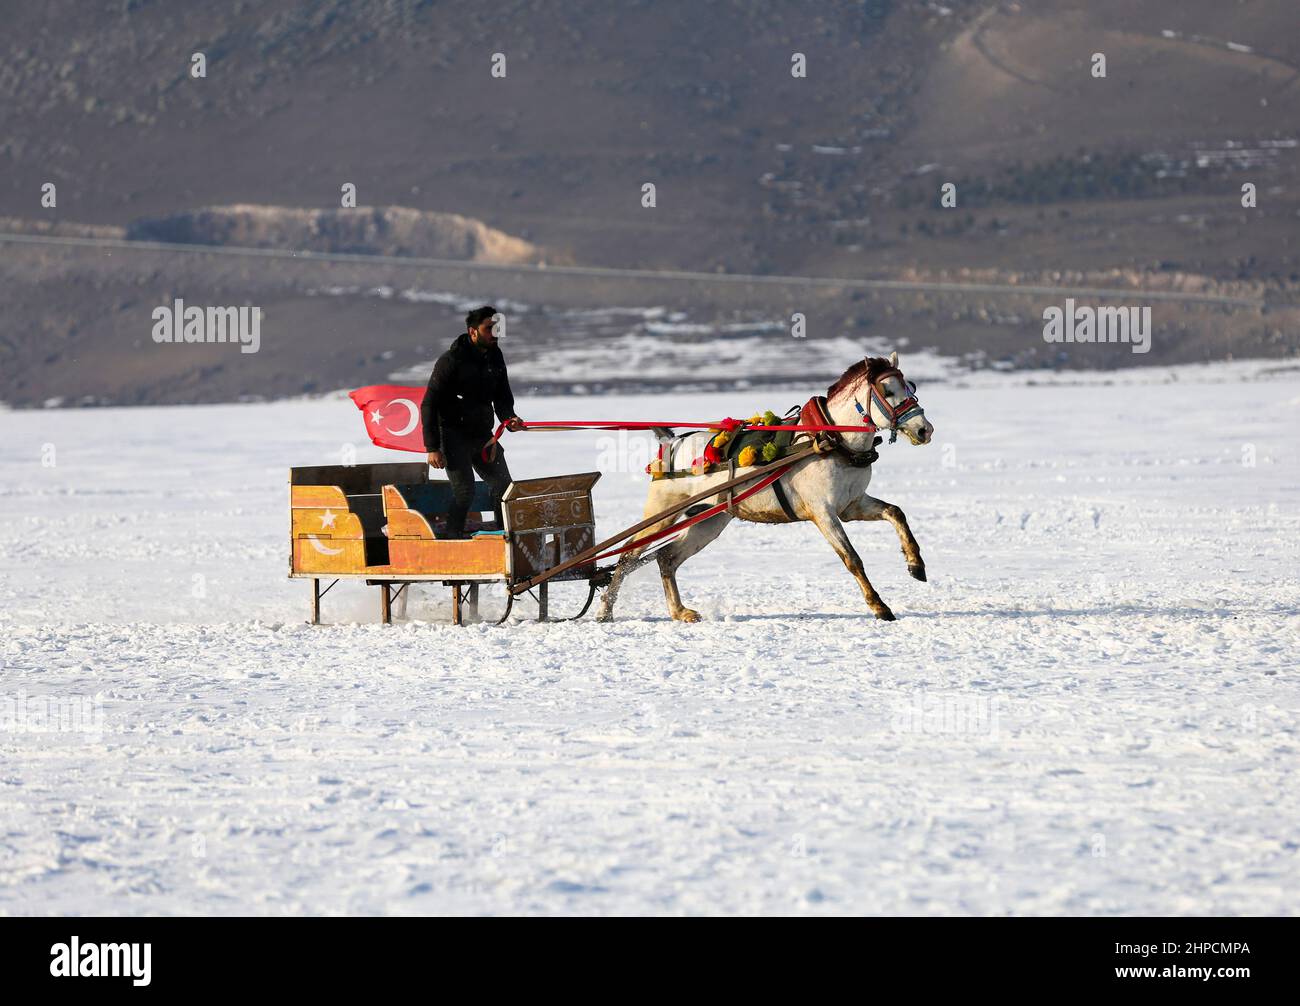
pixel 747 457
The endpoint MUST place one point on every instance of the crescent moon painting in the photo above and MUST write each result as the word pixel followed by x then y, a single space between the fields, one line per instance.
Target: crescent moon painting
pixel 413 412
pixel 315 543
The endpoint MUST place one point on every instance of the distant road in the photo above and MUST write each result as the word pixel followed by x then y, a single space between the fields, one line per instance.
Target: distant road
pixel 597 272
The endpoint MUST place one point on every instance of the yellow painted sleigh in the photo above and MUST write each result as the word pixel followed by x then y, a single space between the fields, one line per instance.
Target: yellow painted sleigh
pixel 381 523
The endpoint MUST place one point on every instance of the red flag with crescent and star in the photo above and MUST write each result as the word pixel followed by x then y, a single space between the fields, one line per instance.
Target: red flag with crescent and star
pixel 392 414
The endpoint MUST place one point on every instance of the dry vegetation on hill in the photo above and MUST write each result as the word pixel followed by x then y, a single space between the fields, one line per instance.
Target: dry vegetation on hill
pixel 836 174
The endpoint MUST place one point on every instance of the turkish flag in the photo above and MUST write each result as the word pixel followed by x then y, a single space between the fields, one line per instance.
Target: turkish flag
pixel 392 414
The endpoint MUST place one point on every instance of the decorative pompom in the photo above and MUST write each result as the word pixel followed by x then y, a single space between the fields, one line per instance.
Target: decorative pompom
pixel 770 451
pixel 721 439
pixel 747 457
pixel 770 418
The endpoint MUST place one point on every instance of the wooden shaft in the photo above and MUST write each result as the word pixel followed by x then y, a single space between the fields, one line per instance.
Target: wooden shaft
pixel 595 550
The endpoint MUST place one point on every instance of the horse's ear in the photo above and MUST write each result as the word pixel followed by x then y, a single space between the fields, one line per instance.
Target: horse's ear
pixel 893 359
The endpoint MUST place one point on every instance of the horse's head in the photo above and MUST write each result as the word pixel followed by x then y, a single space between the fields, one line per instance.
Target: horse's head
pixel 883 398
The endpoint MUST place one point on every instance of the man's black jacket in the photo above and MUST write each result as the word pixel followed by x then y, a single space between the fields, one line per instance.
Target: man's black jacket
pixel 465 386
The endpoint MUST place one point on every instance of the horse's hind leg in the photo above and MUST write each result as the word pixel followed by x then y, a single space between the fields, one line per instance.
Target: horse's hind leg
pixel 672 556
pixel 831 528
pixel 627 562
pixel 870 508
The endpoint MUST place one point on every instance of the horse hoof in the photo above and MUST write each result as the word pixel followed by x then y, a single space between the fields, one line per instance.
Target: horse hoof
pixel 885 615
pixel 604 617
pixel 687 615
pixel 918 572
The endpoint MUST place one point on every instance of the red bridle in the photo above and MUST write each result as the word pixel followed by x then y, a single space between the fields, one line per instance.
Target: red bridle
pixel 897 414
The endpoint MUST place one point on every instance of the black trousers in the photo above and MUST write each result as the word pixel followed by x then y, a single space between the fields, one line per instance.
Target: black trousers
pixel 462 450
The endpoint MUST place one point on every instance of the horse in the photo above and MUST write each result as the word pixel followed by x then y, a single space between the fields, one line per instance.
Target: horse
pixel 825 488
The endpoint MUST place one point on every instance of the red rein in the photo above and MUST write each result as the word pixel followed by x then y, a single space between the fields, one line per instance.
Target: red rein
pixel 728 424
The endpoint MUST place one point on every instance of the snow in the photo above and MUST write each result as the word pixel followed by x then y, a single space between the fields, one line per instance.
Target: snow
pixel 1090 708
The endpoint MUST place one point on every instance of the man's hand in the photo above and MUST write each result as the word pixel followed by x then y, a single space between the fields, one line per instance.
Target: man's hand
pixel 437 460
pixel 514 424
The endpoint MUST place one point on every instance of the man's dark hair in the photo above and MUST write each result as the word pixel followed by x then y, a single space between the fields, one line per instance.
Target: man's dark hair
pixel 479 315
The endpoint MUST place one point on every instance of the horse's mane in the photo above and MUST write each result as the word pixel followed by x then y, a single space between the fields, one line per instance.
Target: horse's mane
pixel 863 371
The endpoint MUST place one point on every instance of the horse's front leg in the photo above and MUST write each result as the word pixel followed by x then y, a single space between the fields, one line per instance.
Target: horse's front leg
pixel 870 508
pixel 831 528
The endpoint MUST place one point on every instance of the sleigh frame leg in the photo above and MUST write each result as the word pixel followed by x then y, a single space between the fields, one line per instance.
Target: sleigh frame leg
pixel 316 595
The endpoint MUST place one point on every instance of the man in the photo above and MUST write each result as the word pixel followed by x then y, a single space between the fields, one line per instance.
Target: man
pixel 468 382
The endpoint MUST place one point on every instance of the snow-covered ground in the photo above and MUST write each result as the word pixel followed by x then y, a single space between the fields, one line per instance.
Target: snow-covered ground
pixel 1091 707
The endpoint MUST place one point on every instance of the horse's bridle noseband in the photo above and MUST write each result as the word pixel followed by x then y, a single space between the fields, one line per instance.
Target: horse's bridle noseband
pixel 898 414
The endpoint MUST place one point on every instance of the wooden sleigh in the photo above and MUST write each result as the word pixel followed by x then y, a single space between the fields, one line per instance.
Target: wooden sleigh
pixel 381 523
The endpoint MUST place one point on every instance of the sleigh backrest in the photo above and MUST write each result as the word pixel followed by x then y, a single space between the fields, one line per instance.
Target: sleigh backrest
pixel 336 515
pixel 433 498
pixel 420 510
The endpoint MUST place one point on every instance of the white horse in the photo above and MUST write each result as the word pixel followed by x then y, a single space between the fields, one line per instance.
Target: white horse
pixel 826 489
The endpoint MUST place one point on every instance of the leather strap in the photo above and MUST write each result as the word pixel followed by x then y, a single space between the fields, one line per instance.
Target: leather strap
pixel 816 414
pixel 783 500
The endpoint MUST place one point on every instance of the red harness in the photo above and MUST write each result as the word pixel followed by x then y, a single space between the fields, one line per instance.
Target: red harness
pixel 815 414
